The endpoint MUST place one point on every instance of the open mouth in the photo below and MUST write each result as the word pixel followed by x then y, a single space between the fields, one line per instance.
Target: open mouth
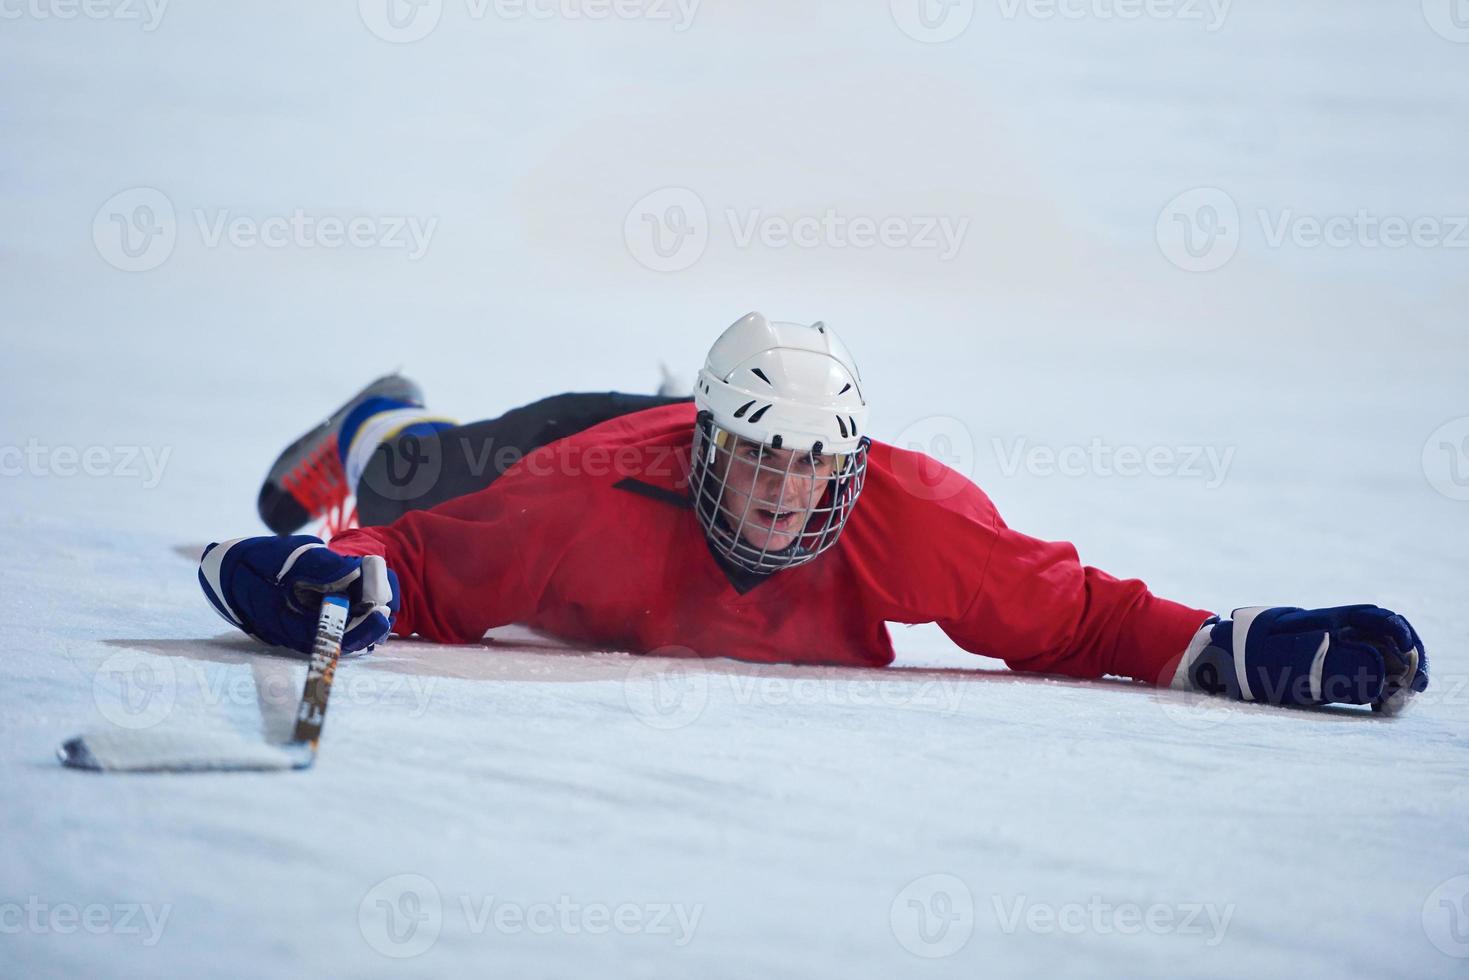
pixel 780 520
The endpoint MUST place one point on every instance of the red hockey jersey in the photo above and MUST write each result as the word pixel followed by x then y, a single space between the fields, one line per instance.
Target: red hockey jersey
pixel 593 538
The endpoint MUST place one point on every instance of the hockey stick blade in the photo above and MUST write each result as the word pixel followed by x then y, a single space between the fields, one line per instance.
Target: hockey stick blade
pixel 194 751
pixel 129 751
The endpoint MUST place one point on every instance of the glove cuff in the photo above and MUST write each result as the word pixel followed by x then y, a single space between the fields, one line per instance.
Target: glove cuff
pixel 210 565
pixel 1182 677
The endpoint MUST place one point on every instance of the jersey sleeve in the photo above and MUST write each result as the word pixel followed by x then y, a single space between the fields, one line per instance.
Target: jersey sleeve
pixel 1040 609
pixel 1003 594
pixel 475 562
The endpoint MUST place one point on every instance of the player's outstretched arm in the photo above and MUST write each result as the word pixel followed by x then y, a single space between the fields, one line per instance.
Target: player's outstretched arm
pixel 1285 655
pixel 271 588
pixel 1041 610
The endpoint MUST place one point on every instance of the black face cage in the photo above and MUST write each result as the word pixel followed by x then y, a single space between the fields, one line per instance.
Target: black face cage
pixel 725 530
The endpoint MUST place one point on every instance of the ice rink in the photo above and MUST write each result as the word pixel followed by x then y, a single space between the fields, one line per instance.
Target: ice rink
pixel 1183 283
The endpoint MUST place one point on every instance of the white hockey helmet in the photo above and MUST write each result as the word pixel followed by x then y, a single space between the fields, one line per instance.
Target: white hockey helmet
pixel 793 390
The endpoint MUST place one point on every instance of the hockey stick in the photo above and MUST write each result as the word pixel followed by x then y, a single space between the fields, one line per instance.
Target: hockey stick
pixel 151 751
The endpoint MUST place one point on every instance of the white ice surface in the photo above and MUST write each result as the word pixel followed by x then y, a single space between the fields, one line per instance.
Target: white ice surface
pixel 788 809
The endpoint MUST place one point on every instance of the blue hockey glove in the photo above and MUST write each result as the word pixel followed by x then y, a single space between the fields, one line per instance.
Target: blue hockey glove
pixel 271 587
pixel 1285 655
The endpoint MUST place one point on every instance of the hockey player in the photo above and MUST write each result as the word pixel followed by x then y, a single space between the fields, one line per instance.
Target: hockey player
pixel 757 521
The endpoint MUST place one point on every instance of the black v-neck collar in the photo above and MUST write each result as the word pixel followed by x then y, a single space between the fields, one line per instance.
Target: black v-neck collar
pixel 741 579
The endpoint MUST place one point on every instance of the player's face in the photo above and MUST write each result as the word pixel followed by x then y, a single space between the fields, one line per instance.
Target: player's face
pixel 769 494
